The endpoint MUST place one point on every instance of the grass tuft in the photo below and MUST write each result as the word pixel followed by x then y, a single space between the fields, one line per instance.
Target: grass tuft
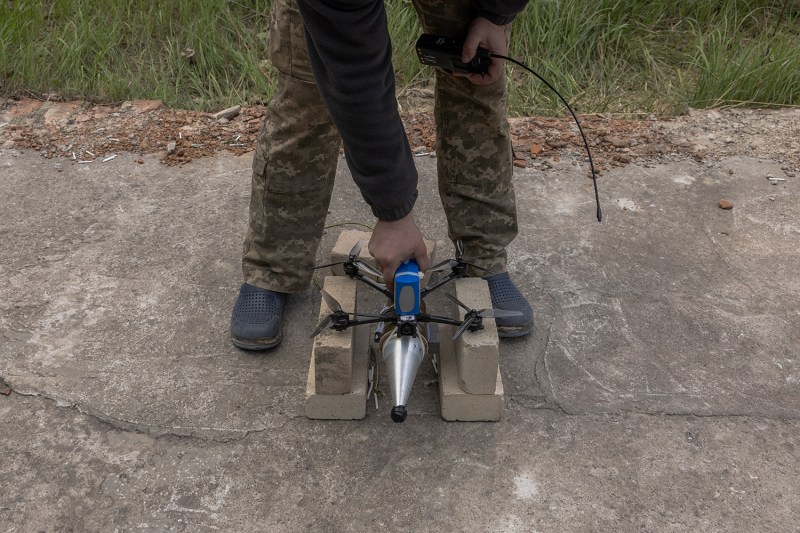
pixel 632 56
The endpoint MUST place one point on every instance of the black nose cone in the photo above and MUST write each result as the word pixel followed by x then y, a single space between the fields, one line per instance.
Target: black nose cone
pixel 399 413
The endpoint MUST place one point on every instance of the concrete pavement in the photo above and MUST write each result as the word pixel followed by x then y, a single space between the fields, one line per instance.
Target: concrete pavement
pixel 659 392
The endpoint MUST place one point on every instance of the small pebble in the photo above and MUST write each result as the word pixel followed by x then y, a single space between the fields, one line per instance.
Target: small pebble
pixel 725 204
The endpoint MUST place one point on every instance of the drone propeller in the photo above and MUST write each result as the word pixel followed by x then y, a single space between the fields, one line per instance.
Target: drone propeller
pixel 353 259
pixel 484 313
pixel 332 303
pixel 355 251
pixel 457 262
pixel 444 265
pixel 450 263
pixel 338 318
pixel 334 306
pixel 323 325
pixel 474 317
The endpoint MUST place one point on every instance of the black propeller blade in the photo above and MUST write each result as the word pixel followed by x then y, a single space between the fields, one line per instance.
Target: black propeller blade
pixel 330 301
pixel 325 324
pixel 457 301
pixel 444 265
pixel 459 250
pixel 464 326
pixel 353 259
pixel 338 316
pixel 355 250
pixel 453 264
pixel 472 315
pixel 334 306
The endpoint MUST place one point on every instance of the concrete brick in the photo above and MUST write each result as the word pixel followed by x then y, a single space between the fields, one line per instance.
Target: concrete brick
pixel 458 404
pixel 350 406
pixel 477 354
pixel 332 351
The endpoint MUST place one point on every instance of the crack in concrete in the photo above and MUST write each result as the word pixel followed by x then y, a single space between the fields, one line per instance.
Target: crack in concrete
pixel 552 406
pixel 152 430
pixel 541 374
pixel 715 246
pixel 161 432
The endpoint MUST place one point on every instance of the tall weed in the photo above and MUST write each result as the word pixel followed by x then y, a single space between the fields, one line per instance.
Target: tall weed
pixel 620 56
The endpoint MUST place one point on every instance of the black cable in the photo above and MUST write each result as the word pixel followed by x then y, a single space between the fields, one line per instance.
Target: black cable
pixel 585 142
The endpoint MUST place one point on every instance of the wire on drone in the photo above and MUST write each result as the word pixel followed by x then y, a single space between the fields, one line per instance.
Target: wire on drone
pixel 577 122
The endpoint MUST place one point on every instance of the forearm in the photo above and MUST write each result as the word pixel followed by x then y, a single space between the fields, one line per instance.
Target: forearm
pixel 350 55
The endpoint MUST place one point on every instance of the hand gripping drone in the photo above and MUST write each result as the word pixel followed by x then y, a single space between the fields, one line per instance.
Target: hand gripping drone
pixel 400 334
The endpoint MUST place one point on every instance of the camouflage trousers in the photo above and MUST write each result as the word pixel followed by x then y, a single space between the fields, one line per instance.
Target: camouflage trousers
pixel 297 152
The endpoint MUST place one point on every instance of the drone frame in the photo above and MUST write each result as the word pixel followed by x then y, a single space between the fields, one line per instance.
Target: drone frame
pixel 340 320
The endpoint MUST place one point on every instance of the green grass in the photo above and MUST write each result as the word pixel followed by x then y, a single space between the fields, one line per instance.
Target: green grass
pixel 619 56
pixel 113 51
pixel 662 57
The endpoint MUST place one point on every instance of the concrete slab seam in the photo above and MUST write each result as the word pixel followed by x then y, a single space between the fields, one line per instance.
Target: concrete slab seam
pixel 128 426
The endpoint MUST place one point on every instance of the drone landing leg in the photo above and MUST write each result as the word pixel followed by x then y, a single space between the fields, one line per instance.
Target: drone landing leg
pixel 336 388
pixel 470 385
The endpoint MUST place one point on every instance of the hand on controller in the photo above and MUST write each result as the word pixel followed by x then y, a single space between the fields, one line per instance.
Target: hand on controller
pixel 489 36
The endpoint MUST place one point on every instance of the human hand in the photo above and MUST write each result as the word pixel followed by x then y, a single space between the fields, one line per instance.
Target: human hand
pixel 490 36
pixel 394 242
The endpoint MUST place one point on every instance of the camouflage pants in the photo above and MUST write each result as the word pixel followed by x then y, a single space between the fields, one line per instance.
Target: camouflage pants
pixel 298 147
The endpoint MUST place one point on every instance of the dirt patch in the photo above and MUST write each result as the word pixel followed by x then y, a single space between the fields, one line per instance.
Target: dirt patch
pixel 81 133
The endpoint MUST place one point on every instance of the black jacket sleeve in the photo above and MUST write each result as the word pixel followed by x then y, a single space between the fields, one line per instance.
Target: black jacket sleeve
pixel 500 12
pixel 350 54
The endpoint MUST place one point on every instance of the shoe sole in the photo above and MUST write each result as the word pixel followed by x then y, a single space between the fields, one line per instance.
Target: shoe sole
pixel 256 344
pixel 510 332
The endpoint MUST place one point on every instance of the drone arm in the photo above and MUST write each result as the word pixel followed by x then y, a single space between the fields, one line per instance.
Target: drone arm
pixel 357 322
pixel 472 322
pixel 438 319
pixel 374 284
pixel 438 283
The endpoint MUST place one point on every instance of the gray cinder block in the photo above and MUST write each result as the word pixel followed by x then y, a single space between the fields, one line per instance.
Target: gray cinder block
pixel 333 350
pixel 458 404
pixel 350 406
pixel 476 353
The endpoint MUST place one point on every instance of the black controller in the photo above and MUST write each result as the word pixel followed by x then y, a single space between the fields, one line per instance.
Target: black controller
pixel 444 52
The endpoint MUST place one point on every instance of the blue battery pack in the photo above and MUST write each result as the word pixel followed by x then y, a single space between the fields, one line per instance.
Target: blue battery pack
pixel 407 298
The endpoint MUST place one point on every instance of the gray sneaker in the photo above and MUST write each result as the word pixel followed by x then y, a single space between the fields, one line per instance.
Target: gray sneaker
pixel 506 296
pixel 256 321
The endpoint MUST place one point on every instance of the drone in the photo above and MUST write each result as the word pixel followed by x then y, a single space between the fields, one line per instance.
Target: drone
pixel 400 334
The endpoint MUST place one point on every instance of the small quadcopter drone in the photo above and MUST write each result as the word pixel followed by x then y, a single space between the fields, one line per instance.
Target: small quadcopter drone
pixel 400 334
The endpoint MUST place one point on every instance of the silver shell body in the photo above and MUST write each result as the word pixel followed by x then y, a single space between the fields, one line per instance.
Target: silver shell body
pixel 402 357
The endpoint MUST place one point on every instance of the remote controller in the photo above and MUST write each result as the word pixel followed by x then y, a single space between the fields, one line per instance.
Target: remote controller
pixel 445 52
